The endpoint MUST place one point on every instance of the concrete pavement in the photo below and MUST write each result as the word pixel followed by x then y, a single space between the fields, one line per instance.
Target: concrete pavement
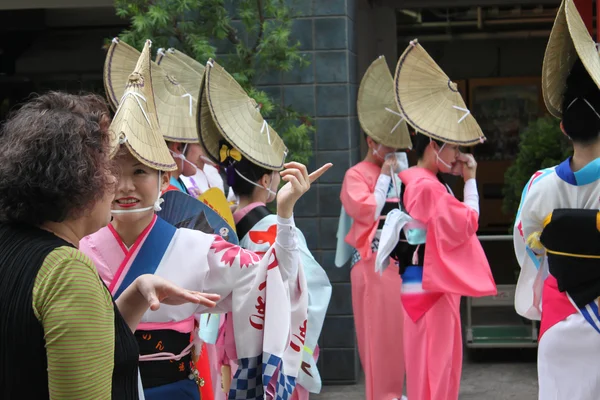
pixel 500 375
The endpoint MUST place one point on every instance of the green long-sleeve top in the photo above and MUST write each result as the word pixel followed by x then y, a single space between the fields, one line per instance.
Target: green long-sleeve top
pixel 76 312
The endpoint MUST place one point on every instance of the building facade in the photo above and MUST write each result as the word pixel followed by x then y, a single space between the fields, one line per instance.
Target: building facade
pixel 492 48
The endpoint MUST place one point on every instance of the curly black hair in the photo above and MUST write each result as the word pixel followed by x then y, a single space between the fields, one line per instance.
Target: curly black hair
pixel 55 158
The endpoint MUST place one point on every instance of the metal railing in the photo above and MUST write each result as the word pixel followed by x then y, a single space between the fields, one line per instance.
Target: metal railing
pixel 505 298
pixel 494 238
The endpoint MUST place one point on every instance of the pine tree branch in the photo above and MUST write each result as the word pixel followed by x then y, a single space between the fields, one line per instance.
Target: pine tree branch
pixel 231 35
pixel 261 29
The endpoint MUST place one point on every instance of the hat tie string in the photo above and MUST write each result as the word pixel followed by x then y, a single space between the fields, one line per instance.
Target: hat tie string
pixel 398 114
pixel 137 98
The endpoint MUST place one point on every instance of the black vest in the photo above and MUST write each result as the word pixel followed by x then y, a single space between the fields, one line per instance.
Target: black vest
pixel 23 360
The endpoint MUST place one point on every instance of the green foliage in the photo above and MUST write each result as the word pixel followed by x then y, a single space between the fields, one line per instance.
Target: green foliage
pixel 542 145
pixel 260 46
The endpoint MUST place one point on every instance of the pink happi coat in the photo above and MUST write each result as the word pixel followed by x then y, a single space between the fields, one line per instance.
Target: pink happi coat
pixel 378 314
pixel 266 296
pixel 455 265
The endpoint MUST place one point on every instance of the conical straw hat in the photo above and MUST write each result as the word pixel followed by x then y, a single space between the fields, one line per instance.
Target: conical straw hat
pixel 431 102
pixel 568 41
pixel 377 110
pixel 176 108
pixel 135 122
pixel 227 112
pixel 189 72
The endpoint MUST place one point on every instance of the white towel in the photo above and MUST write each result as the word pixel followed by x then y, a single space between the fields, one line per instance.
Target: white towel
pixel 390 236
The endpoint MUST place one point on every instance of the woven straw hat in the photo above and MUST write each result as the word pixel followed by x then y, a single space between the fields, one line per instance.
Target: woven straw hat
pixel 135 123
pixel 189 72
pixel 431 102
pixel 175 106
pixel 568 41
pixel 227 113
pixel 377 110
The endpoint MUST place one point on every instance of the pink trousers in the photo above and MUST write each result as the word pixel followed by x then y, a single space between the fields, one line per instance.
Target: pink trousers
pixel 433 351
pixel 378 317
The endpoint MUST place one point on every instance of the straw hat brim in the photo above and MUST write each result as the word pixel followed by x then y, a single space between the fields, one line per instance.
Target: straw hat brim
pixel 176 108
pixel 135 122
pixel 227 112
pixel 378 113
pixel 431 102
pixel 189 72
pixel 569 40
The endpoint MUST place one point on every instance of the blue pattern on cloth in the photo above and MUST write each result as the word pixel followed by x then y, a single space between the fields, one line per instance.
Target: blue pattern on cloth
pixel 247 382
pixel 588 174
pixel 356 255
pixel 270 366
pixel 285 386
pixel 591 315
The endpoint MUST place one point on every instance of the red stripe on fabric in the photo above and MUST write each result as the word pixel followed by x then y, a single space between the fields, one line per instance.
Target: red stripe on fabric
pixel 118 238
pixel 137 243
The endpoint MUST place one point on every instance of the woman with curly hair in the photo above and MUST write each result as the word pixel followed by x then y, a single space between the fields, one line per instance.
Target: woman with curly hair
pixel 58 323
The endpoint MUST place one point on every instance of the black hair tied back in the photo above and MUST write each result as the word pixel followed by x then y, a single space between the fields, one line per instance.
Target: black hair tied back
pixel 581 106
pixel 235 163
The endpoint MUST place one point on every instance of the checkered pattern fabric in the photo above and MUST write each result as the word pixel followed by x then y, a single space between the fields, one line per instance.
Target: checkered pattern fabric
pixel 356 255
pixel 247 382
pixel 270 365
pixel 285 387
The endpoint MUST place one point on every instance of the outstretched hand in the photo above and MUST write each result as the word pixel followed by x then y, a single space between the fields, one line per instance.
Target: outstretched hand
pixel 158 290
pixel 298 182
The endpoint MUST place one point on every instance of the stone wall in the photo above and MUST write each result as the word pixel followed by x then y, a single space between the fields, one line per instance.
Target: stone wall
pixel 326 90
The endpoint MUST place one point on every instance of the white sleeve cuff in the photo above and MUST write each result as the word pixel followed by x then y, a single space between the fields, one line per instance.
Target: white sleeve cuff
pixel 381 190
pixel 286 233
pixel 471 195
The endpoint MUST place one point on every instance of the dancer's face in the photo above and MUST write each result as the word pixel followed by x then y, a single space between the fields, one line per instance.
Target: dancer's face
pixel 447 154
pixel 379 150
pixel 137 187
pixel 194 155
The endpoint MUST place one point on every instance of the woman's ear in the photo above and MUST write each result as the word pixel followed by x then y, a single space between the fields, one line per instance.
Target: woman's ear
pixel 434 146
pixel 265 181
pixel 165 178
pixel 370 142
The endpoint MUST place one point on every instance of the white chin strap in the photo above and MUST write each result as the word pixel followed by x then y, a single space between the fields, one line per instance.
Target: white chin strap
pixel 156 207
pixel 376 153
pixel 184 159
pixel 269 190
pixel 208 161
pixel 437 155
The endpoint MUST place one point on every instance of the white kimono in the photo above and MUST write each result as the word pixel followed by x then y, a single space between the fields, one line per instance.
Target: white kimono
pixel 259 239
pixel 266 295
pixel 569 345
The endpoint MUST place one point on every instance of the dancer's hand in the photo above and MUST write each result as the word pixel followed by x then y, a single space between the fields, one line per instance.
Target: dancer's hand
pixel 298 182
pixel 158 290
pixel 469 166
pixel 389 165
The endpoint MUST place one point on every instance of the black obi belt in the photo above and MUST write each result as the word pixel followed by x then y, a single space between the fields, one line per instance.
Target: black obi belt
pixel 572 241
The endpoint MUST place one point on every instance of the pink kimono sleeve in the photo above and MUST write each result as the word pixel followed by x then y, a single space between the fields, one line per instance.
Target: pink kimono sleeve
pixel 454 259
pixel 358 198
pixel 359 202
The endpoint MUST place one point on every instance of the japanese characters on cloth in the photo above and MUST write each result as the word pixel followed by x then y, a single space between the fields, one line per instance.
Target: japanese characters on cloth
pixel 266 295
pixel 259 239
